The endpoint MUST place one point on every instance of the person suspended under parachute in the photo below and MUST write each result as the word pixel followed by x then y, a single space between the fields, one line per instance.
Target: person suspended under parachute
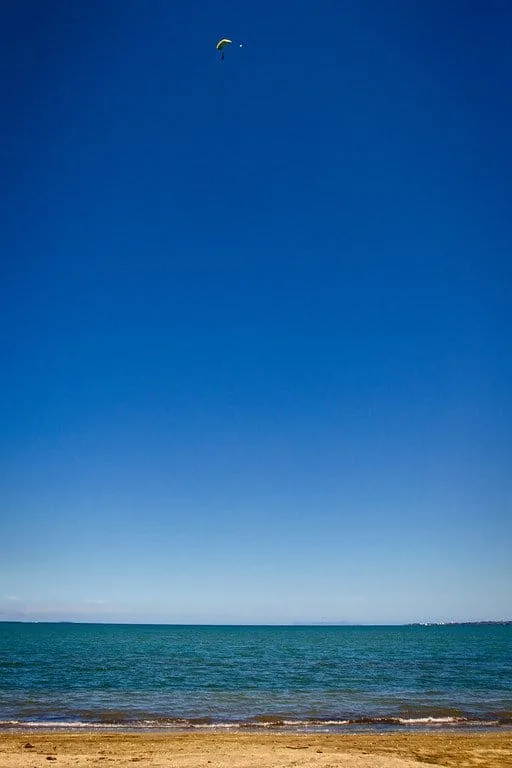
pixel 221 45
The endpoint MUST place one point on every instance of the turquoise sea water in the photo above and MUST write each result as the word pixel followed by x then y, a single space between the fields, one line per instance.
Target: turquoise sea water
pixel 121 676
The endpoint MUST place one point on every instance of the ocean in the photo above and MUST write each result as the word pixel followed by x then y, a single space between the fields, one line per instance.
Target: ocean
pixel 295 677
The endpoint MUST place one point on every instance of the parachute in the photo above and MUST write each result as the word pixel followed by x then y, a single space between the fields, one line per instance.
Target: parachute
pixel 223 44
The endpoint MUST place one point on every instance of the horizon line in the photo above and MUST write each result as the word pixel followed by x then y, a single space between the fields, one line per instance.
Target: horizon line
pixel 260 624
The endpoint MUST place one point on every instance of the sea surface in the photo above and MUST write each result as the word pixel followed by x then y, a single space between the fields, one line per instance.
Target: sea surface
pixel 300 678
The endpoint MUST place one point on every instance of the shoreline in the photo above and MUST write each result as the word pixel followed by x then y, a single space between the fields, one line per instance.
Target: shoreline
pixel 74 749
pixel 262 726
pixel 372 729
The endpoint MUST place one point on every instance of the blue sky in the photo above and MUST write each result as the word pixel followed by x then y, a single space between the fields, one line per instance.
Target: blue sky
pixel 255 314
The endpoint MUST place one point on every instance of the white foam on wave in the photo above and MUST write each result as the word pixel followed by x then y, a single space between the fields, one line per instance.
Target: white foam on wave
pixel 315 723
pixel 430 720
pixel 212 726
pixel 448 721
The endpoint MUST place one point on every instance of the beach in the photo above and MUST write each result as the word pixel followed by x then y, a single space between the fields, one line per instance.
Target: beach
pixel 255 750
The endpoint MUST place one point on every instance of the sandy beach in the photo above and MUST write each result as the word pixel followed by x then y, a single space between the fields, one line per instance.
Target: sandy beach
pixel 249 750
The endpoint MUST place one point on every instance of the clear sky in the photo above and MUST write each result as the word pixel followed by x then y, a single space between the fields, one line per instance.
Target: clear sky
pixel 255 313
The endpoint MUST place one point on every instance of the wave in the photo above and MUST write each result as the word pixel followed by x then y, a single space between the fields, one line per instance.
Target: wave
pixel 270 722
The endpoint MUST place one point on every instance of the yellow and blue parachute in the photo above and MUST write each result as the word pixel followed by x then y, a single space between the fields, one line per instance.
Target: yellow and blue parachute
pixel 223 43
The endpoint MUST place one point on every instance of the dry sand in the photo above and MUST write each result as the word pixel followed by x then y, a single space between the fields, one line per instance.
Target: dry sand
pixel 249 750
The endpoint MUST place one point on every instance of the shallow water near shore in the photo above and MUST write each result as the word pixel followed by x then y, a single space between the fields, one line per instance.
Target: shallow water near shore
pixel 318 678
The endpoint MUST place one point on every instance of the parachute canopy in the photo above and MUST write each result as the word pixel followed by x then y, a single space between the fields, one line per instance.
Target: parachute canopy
pixel 223 43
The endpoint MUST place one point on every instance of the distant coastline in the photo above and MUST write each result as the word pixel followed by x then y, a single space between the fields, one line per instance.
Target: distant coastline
pixel 503 623
pixel 459 623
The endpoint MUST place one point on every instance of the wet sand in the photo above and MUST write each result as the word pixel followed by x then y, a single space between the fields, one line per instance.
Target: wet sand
pixel 249 750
